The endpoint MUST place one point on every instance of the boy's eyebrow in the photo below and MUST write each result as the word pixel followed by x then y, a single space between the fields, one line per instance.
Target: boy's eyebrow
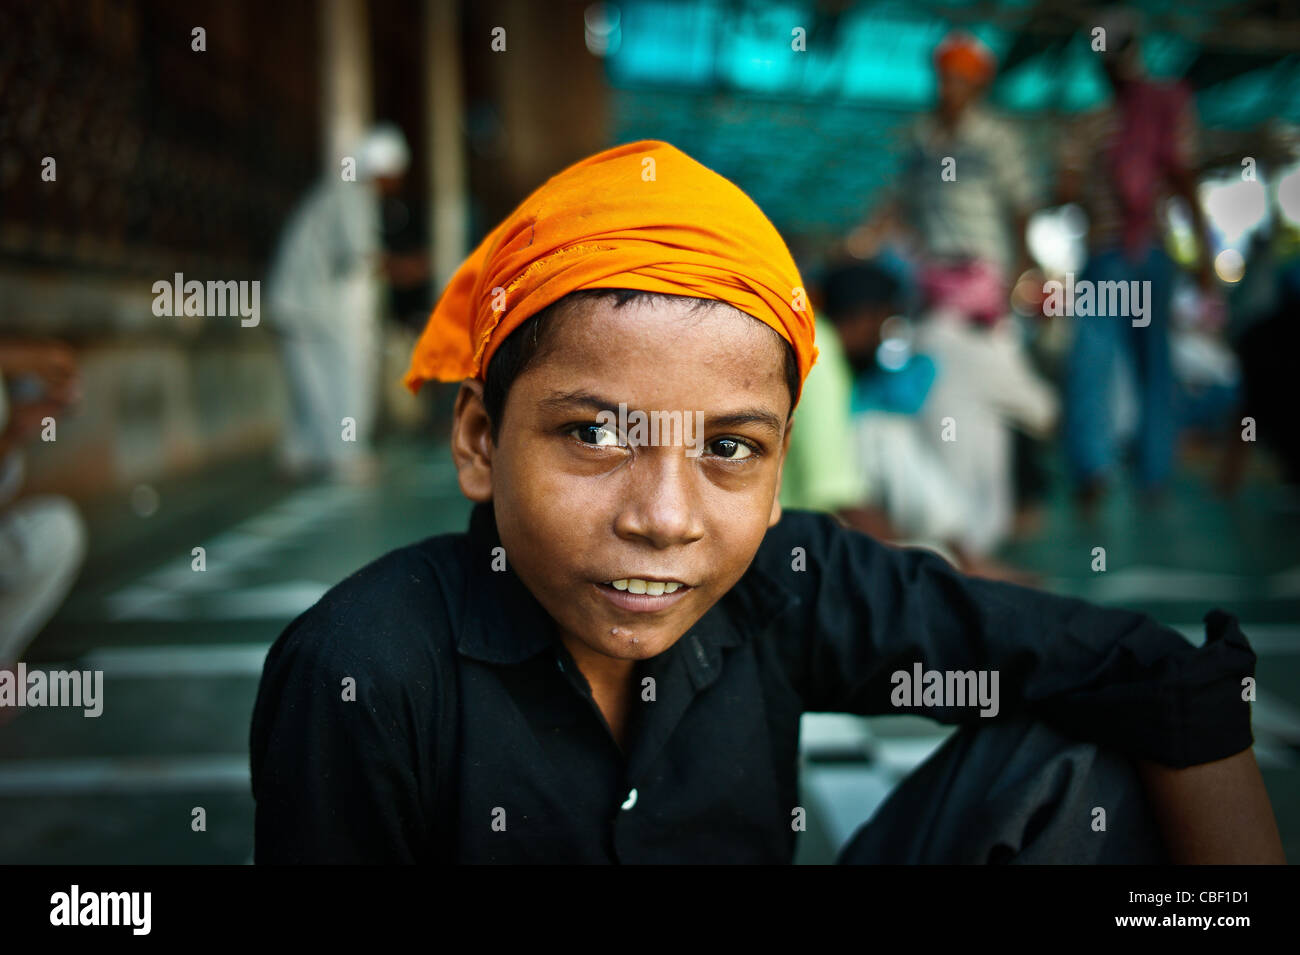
pixel 758 416
pixel 564 400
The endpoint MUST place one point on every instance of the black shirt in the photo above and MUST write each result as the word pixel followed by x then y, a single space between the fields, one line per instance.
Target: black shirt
pixel 529 772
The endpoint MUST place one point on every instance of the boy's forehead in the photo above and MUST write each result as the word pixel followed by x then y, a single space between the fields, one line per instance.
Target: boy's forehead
pixel 672 344
pixel 649 317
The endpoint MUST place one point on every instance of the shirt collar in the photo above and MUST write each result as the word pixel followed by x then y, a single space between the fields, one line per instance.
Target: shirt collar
pixel 505 623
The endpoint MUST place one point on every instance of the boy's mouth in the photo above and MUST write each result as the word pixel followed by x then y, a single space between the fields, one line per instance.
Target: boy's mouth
pixel 642 595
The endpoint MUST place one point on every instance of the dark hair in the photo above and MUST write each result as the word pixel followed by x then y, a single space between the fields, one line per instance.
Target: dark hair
pixel 527 342
pixel 846 289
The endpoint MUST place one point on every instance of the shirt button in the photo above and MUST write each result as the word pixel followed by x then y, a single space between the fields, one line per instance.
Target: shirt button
pixel 630 801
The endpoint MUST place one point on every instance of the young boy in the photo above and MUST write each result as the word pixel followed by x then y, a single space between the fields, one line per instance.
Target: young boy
pixel 611 664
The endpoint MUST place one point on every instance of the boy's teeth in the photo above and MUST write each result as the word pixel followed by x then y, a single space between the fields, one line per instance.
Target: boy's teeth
pixel 654 588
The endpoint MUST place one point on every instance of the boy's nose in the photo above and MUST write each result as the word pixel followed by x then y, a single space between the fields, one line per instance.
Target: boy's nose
pixel 660 503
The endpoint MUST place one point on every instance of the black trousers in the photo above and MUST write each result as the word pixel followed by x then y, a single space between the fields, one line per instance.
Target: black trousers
pixel 1013 792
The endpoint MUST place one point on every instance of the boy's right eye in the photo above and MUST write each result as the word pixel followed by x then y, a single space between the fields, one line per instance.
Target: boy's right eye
pixel 595 434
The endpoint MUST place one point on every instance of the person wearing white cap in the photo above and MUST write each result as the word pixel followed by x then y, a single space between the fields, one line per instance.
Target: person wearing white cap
pixel 324 292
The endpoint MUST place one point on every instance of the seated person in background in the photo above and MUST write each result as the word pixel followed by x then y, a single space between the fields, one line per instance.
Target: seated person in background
pixel 922 501
pixel 822 471
pixel 42 537
pixel 612 663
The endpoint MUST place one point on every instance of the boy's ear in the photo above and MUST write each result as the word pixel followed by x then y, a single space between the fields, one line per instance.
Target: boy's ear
pixel 471 443
pixel 775 516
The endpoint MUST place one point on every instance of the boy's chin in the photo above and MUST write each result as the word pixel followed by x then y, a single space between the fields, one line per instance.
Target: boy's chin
pixel 630 642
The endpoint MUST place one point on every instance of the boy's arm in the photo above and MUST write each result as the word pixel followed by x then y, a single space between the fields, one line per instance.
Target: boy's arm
pixel 1104 674
pixel 333 769
pixel 1214 814
pixel 1107 675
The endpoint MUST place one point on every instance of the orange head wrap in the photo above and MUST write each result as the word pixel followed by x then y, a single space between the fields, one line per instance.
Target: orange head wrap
pixel 961 53
pixel 643 216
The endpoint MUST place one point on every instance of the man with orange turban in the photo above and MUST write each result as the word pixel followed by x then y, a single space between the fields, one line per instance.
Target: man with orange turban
pixel 612 663
pixel 966 191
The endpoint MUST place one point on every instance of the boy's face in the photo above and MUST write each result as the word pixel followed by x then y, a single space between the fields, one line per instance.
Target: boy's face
pixel 576 511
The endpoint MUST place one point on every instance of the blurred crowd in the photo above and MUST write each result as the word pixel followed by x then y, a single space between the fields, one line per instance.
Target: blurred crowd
pixel 928 417
pixel 936 414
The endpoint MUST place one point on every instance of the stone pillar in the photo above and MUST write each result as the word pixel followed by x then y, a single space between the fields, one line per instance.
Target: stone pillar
pixel 448 205
pixel 346 95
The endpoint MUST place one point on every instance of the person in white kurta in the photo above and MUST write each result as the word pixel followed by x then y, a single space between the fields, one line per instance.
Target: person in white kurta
pixel 42 536
pixel 325 295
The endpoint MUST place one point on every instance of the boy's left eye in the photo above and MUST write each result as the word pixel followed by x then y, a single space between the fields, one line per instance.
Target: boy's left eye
pixel 731 449
pixel 595 434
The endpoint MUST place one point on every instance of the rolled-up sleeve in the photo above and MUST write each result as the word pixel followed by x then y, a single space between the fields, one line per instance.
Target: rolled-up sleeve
pixel 1108 675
